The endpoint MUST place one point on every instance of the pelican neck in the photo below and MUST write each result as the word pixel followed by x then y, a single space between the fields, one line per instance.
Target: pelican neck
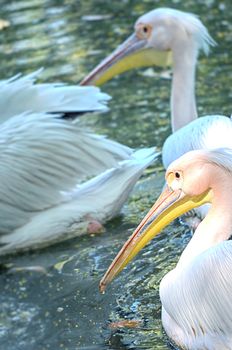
pixel 183 103
pixel 216 226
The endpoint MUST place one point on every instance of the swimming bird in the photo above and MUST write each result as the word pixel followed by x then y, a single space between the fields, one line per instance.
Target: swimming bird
pixel 164 37
pixel 44 158
pixel 196 294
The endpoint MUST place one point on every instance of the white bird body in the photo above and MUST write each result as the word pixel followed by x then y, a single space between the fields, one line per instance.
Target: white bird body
pixel 207 281
pixel 208 132
pixel 43 158
pixel 49 216
pixel 196 294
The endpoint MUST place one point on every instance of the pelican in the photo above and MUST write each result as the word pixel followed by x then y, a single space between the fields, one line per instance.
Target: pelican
pixel 44 158
pixel 196 294
pixel 164 37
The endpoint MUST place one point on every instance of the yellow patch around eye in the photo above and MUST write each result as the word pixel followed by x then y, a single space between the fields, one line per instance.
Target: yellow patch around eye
pixel 174 182
pixel 170 179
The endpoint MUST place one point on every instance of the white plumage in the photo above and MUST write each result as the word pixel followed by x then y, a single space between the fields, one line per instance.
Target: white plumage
pixel 198 297
pixel 100 198
pixel 21 94
pixel 196 294
pixel 43 157
pixel 207 132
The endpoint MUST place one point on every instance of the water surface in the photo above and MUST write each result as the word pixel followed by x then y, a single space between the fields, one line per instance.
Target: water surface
pixel 59 307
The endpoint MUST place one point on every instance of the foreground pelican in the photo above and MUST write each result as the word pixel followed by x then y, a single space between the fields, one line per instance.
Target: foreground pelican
pixel 196 295
pixel 43 157
pixel 162 37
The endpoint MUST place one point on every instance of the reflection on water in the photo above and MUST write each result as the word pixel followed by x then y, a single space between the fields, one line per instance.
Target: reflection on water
pixel 59 307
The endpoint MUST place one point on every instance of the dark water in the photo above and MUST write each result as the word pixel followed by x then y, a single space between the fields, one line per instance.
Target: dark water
pixel 60 307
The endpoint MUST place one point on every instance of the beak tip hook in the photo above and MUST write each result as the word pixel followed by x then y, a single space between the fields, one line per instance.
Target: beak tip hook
pixel 102 287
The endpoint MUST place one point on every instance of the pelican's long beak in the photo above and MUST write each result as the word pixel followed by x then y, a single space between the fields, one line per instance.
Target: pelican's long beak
pixel 170 205
pixel 132 53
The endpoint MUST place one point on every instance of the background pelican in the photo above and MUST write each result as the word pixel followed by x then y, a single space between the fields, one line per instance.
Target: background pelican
pixel 43 157
pixel 196 294
pixel 166 36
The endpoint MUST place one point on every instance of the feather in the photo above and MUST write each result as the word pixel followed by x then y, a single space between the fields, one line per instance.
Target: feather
pixel 20 94
pixel 101 197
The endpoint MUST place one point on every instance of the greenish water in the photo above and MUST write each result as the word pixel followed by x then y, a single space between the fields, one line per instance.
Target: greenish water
pixel 58 308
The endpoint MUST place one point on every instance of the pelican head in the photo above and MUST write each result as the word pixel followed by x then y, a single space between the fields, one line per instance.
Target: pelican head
pixel 158 35
pixel 196 178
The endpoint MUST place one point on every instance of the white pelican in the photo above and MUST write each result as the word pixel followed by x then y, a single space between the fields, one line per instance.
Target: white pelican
pixel 196 294
pixel 43 157
pixel 162 37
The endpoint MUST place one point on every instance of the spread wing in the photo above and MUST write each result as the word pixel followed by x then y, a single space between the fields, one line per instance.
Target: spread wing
pixel 42 156
pixel 101 198
pixel 20 94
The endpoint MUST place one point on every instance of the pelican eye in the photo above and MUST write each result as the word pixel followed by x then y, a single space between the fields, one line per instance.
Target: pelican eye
pixel 174 179
pixel 143 31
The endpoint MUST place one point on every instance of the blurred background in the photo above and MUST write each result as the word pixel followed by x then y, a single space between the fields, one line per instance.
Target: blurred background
pixel 57 304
